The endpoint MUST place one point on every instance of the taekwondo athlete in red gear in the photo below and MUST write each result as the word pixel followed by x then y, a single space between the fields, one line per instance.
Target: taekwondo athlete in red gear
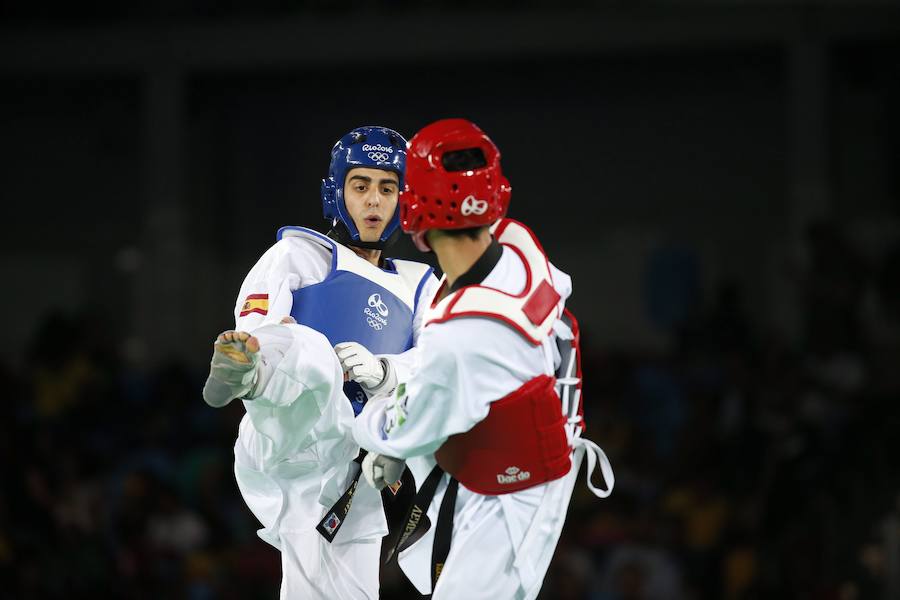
pixel 490 420
pixel 314 308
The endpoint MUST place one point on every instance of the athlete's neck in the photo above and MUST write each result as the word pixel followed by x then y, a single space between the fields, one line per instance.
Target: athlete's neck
pixel 457 254
pixel 373 256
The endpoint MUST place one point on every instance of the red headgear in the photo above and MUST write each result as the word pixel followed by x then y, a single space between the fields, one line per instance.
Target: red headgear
pixel 453 180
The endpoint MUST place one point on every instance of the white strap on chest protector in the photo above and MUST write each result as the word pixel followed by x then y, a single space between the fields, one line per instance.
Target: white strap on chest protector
pixel 595 456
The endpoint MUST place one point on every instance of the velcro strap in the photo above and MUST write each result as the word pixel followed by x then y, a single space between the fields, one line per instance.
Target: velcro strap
pixel 595 456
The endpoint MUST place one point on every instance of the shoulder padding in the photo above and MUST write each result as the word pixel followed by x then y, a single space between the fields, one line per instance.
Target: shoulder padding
pixel 295 232
pixel 532 312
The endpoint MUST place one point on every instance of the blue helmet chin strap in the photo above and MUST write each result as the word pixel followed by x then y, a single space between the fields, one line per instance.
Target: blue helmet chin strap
pixel 368 147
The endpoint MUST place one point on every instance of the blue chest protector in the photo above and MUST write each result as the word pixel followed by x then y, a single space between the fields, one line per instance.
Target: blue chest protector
pixel 359 302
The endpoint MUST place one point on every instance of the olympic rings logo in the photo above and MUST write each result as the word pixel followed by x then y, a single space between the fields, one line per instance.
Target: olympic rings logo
pixel 379 156
pixel 374 324
pixel 473 206
pixel 376 302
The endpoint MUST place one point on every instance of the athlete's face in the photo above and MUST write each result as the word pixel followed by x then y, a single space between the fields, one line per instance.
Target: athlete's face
pixel 371 198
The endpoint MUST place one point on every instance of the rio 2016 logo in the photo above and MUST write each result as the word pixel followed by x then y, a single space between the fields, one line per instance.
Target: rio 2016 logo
pixel 376 320
pixel 377 148
pixel 378 153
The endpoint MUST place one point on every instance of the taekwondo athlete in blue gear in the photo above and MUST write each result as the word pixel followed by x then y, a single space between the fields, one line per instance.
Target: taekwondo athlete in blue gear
pixel 384 324
pixel 294 457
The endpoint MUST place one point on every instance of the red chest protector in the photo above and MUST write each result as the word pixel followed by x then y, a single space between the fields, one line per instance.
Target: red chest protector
pixel 523 440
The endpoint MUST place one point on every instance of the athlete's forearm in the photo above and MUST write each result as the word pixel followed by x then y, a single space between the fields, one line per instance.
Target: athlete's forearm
pixel 396 426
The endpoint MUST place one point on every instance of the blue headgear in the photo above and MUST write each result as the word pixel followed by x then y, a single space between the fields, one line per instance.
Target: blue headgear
pixel 372 147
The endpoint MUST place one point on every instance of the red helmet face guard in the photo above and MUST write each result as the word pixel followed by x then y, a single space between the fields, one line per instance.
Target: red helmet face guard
pixel 453 179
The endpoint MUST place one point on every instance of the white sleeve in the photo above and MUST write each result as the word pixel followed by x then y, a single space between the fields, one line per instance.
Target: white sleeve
pixel 419 416
pixel 465 364
pixel 266 295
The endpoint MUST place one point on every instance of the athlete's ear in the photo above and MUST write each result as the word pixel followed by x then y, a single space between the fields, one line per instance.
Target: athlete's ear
pixel 420 242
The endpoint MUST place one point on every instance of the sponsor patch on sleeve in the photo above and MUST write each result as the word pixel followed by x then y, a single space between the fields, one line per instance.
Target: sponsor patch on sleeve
pixel 255 303
pixel 395 413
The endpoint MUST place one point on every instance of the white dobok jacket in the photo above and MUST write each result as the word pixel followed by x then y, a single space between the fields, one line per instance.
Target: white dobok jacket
pixel 294 452
pixel 501 545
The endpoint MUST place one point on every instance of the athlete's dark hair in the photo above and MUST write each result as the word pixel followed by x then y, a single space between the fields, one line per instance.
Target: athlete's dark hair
pixel 472 233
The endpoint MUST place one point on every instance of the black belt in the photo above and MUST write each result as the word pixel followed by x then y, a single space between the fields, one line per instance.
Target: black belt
pixel 417 522
pixel 337 514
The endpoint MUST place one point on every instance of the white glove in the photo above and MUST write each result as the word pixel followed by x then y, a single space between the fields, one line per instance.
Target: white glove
pixel 360 365
pixel 381 471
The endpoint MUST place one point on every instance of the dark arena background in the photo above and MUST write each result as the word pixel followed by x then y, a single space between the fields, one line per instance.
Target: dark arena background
pixel 721 179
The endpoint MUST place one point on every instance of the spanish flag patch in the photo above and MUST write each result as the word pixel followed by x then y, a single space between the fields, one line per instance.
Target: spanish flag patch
pixel 255 303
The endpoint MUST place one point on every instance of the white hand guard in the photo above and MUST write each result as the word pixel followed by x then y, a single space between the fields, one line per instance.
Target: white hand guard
pixel 374 374
pixel 381 471
pixel 233 371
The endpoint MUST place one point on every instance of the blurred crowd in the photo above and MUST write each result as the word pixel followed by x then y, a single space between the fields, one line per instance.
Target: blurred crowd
pixel 119 482
pixel 748 465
